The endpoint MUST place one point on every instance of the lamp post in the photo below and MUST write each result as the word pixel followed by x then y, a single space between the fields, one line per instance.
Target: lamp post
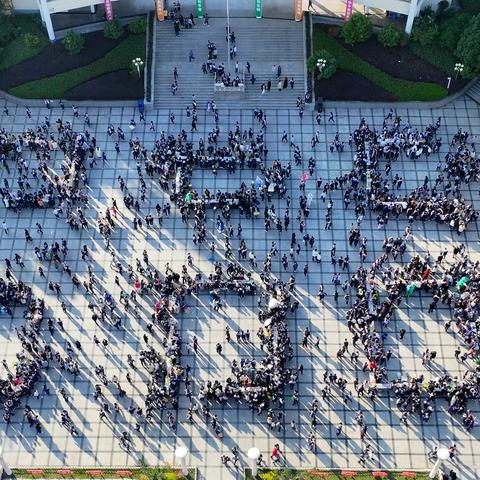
pixel 181 455
pixel 442 455
pixel 137 64
pixel 253 454
pixel 321 64
pixel 458 69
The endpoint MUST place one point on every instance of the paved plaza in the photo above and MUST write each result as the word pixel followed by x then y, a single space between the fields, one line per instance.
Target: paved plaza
pixel 394 445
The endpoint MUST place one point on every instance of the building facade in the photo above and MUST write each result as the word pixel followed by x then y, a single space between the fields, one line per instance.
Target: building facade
pixel 240 8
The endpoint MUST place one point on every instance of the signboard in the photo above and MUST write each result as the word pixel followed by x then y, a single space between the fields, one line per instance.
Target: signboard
pixel 160 10
pixel 348 10
pixel 108 9
pixel 298 10
pixel 200 8
pixel 258 8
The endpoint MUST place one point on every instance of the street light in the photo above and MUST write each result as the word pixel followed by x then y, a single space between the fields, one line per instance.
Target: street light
pixel 458 69
pixel 253 454
pixel 137 64
pixel 181 454
pixel 321 64
pixel 442 455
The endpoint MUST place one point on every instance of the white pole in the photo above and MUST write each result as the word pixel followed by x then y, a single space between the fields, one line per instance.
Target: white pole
pixel 228 34
pixel 253 454
pixel 48 20
pixel 442 454
pixel 449 81
pixel 181 454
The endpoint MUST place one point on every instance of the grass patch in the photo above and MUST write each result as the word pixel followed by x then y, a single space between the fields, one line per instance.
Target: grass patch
pixel 435 55
pixel 118 58
pixel 405 90
pixel 144 473
pixel 290 474
pixel 16 51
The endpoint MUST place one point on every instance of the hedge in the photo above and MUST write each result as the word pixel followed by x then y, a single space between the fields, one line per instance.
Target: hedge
pixel 118 58
pixel 17 51
pixel 404 90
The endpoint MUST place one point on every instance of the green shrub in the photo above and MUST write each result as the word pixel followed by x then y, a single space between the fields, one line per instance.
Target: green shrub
pixel 31 40
pixel 113 30
pixel 451 29
pixel 357 29
pixel 425 30
pixel 119 58
pixel 330 64
pixel 468 50
pixel 8 30
pixel 390 36
pixel 73 42
pixel 404 90
pixel 471 6
pixel 139 25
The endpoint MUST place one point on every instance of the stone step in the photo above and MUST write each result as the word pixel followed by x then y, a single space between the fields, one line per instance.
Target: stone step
pixel 262 42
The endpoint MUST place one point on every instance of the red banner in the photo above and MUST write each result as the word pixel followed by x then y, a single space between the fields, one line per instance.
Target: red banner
pixel 348 10
pixel 108 9
pixel 298 10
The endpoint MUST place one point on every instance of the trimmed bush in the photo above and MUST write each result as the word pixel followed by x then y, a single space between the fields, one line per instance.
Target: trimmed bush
pixel 404 90
pixel 468 50
pixel 31 40
pixel 73 42
pixel 390 36
pixel 113 30
pixel 8 31
pixel 330 64
pixel 139 25
pixel 425 30
pixel 119 58
pixel 451 30
pixel 357 29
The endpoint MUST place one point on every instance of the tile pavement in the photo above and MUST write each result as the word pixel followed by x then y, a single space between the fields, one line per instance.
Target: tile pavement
pixel 395 446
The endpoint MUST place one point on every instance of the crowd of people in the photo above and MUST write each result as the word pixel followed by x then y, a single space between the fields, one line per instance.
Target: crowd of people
pixel 372 294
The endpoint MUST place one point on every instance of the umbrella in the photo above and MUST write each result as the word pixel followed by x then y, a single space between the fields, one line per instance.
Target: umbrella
pixel 462 282
pixel 188 197
pixel 304 177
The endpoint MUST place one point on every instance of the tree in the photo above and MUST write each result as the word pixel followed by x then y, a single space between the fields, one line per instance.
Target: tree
pixel 425 30
pixel 451 30
pixel 357 29
pixel 73 42
pixel 390 36
pixel 113 30
pixel 468 48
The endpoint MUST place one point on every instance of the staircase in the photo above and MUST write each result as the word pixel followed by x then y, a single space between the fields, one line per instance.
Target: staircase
pixel 474 92
pixel 262 42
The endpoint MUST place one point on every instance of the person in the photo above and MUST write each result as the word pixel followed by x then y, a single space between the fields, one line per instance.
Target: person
pixel 191 56
pixel 292 83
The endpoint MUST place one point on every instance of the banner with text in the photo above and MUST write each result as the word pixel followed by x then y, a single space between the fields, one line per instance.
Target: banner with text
pixel 108 9
pixel 258 8
pixel 160 10
pixel 200 8
pixel 348 10
pixel 298 10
